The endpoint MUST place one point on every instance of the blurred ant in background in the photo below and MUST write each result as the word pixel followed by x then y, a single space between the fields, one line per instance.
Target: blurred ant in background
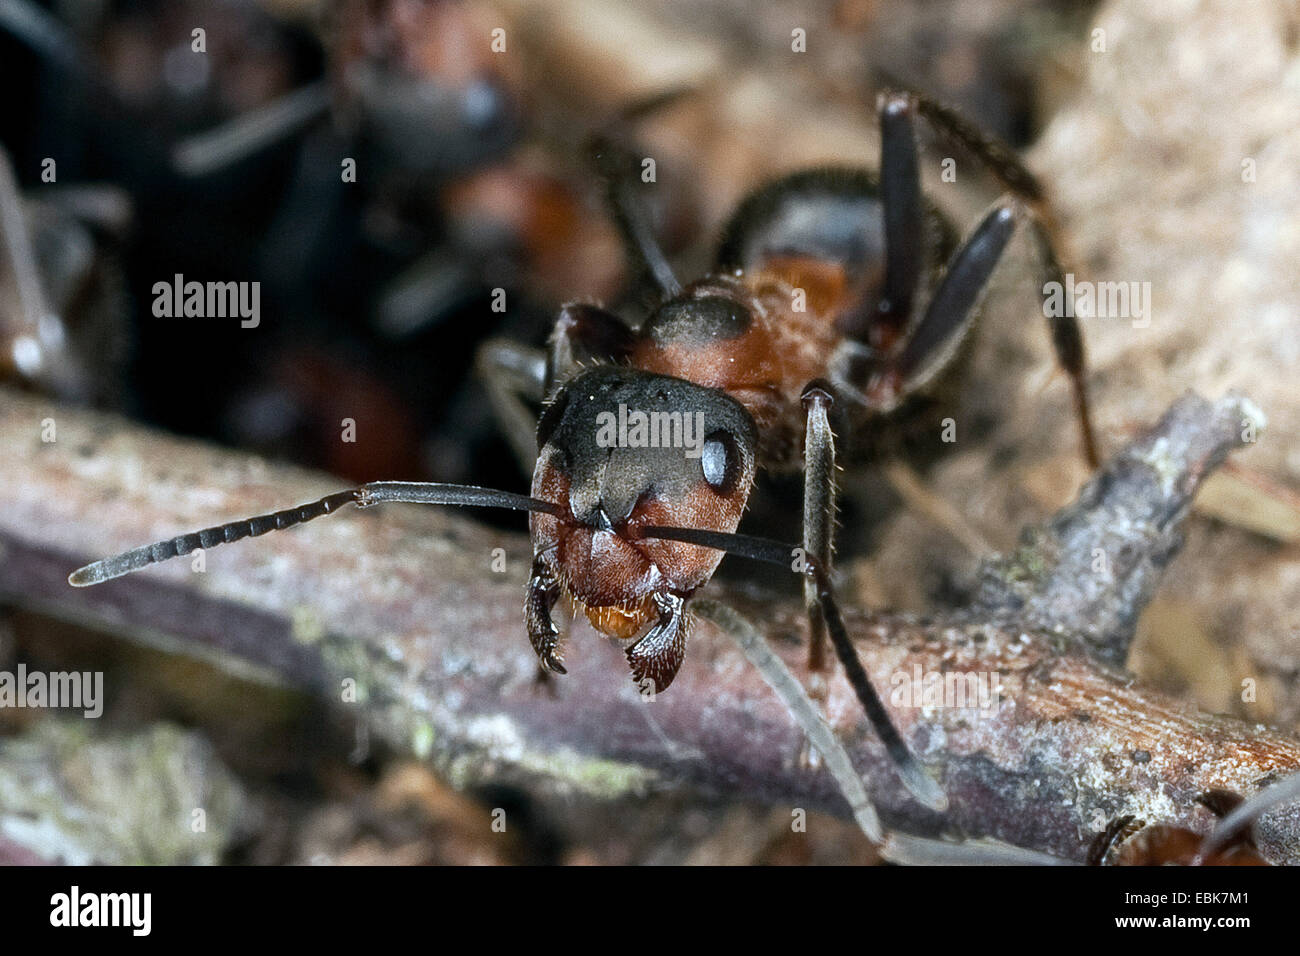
pixel 837 302
pixel 63 303
pixel 446 209
pixel 371 277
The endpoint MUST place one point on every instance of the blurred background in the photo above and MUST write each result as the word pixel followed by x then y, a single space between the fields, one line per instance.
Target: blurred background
pixel 231 163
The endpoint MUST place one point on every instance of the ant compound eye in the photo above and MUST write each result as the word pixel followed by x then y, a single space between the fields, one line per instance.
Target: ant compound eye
pixel 719 461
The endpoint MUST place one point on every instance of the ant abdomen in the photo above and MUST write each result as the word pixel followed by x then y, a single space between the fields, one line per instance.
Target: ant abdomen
pixel 832 214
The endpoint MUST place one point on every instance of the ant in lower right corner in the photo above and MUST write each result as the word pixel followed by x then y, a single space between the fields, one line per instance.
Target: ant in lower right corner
pixel 727 376
pixel 1128 841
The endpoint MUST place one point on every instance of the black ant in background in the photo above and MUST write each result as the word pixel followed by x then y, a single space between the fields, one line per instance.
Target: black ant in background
pixel 629 534
pixel 370 274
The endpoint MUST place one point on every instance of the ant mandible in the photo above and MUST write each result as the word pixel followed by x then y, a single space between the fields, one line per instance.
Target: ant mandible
pixel 629 533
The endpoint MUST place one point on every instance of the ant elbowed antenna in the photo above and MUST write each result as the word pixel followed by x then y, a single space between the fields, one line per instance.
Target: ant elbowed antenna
pixel 629 532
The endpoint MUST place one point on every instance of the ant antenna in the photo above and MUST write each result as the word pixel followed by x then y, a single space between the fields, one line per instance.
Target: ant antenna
pixel 412 492
pixel 805 712
pixel 910 771
pixel 741 545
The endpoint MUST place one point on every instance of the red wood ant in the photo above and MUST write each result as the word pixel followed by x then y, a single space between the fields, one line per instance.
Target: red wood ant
pixel 628 532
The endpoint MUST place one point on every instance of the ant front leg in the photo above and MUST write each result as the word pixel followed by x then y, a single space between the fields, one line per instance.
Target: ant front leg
pixel 818 513
pixel 818 536
pixel 543 592
pixel 516 376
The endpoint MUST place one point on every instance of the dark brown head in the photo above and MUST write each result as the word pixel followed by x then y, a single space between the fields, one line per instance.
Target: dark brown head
pixel 621 450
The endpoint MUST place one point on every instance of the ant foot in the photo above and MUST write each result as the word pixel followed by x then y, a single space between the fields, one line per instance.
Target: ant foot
pixel 809 758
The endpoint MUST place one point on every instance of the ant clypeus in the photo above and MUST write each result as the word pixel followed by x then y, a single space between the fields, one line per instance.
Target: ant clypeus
pixel 629 534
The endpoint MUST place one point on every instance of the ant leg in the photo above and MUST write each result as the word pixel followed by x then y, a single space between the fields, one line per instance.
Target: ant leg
pixel 818 512
pixel 903 849
pixel 805 712
pixel 615 164
pixel 34 338
pixel 19 260
pixel 1011 172
pixel 514 375
pixel 585 334
pixel 951 310
pixel 900 194
pixel 930 345
pixel 913 775
pixel 250 133
pixel 996 156
pixel 895 847
pixel 543 592
pixel 1235 824
pixel 1067 338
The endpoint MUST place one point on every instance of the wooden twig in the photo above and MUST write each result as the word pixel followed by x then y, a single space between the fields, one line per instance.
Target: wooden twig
pixel 404 601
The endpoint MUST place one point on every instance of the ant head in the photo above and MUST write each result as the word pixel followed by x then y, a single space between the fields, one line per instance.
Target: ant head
pixel 621 450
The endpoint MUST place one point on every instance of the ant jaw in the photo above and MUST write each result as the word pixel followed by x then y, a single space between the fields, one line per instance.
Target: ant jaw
pixel 658 656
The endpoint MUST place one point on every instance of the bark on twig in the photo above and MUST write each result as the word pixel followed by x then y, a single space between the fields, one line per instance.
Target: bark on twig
pixel 1094 566
pixel 403 601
